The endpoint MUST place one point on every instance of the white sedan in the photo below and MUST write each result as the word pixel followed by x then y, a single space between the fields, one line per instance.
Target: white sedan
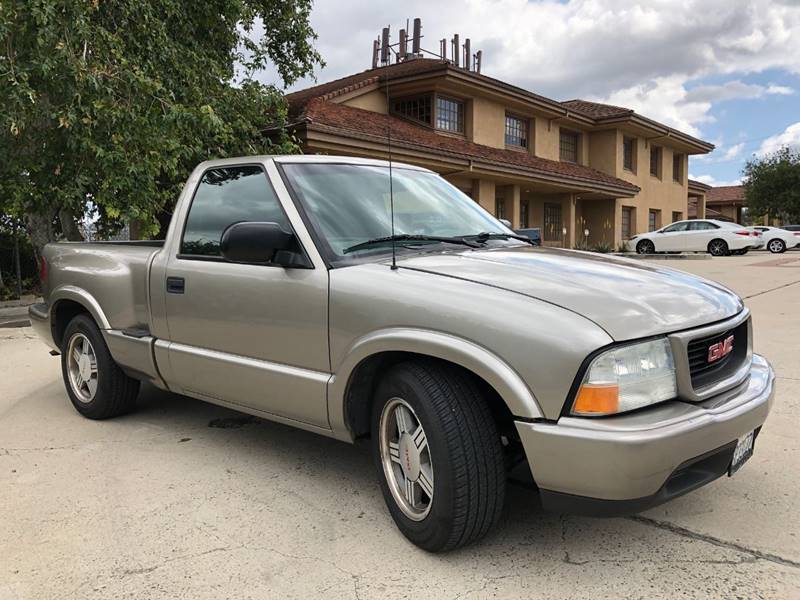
pixel 777 240
pixel 718 238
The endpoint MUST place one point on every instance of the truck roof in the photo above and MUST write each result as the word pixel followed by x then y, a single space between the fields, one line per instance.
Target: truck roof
pixel 307 158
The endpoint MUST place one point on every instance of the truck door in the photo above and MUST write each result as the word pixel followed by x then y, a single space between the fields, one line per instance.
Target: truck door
pixel 251 335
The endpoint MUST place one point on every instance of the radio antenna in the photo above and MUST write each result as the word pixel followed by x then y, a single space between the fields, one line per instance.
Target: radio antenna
pixel 389 148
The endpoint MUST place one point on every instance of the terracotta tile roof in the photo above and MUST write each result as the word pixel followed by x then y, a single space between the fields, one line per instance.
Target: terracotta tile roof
pixel 725 194
pixel 597 110
pixel 362 124
pixel 297 100
pixel 693 183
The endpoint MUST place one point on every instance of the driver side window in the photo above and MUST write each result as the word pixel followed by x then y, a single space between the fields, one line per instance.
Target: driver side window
pixel 226 196
pixel 676 227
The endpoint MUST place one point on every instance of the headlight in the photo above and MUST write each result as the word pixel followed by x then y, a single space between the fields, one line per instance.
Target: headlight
pixel 626 378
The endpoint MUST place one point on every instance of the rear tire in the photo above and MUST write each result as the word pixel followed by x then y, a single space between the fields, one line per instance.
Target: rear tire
pixel 718 247
pixel 449 490
pixel 776 246
pixel 96 385
pixel 645 247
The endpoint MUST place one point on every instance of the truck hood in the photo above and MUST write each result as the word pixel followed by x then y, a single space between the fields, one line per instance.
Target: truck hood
pixel 626 298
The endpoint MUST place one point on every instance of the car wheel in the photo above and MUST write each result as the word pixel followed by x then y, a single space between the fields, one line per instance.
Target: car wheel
pixel 438 455
pixel 645 247
pixel 776 246
pixel 718 247
pixel 96 385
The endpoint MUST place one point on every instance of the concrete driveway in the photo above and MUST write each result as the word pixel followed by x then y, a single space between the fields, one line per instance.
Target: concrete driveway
pixel 187 500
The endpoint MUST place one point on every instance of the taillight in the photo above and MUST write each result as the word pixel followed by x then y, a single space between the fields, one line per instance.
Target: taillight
pixel 744 233
pixel 797 233
pixel 42 269
pixel 755 234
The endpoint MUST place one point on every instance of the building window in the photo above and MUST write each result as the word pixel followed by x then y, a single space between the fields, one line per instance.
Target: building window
pixel 677 168
pixel 552 222
pixel 516 132
pixel 568 145
pixel 677 216
pixel 627 222
pixel 418 109
pixel 655 161
pixel 500 208
pixel 449 115
pixel 523 214
pixel 629 154
pixel 654 220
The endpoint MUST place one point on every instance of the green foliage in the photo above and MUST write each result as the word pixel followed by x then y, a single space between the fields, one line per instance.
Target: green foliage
pixel 113 103
pixel 772 185
pixel 601 247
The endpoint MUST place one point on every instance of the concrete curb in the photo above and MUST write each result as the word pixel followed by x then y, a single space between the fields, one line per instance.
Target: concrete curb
pixel 663 256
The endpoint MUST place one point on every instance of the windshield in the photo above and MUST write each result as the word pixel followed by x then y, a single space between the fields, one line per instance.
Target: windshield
pixel 349 205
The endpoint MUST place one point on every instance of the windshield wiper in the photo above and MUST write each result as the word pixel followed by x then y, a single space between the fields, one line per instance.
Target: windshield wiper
pixel 485 236
pixel 409 237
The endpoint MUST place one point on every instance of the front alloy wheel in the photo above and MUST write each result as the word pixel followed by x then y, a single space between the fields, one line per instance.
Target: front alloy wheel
pixel 406 459
pixel 437 453
pixel 645 247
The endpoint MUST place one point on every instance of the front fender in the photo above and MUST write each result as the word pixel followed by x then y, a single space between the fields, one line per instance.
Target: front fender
pixel 473 357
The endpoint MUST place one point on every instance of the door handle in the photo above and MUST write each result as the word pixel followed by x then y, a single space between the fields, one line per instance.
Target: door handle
pixel 176 285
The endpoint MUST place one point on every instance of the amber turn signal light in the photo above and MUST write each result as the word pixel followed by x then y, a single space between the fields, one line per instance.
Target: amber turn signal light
pixel 597 399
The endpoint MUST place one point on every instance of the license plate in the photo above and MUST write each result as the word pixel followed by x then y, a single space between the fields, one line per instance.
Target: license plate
pixel 743 451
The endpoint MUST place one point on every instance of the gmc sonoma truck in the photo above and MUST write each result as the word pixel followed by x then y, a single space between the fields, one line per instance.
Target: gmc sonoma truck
pixel 363 300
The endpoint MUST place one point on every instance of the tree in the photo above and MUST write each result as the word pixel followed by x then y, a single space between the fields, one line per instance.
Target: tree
pixel 772 185
pixel 111 104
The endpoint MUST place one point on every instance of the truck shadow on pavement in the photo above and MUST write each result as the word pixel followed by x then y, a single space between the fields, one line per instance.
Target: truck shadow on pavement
pixel 256 450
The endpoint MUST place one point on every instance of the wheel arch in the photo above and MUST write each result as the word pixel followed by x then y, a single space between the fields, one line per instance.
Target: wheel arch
pixel 66 303
pixel 350 390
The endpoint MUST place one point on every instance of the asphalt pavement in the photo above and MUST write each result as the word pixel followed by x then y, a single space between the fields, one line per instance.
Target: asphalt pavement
pixel 183 499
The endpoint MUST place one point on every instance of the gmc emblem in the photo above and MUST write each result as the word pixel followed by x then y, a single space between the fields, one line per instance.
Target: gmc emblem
pixel 720 349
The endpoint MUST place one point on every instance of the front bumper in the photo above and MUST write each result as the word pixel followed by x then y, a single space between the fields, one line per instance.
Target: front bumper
pixel 623 464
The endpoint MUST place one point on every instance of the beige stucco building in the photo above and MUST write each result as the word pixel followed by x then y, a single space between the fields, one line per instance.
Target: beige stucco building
pixel 581 171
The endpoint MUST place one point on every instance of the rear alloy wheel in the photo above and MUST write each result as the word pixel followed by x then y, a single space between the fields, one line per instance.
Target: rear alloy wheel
pixel 645 247
pixel 438 455
pixel 718 248
pixel 96 385
pixel 776 246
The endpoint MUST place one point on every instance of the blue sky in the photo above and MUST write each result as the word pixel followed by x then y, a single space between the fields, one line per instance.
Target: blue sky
pixel 727 71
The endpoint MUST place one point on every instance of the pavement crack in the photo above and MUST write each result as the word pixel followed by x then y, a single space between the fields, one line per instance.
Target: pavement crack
pixel 710 539
pixel 780 287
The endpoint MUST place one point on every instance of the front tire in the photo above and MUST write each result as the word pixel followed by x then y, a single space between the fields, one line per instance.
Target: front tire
pixel 718 247
pixel 438 455
pixel 645 247
pixel 96 385
pixel 776 246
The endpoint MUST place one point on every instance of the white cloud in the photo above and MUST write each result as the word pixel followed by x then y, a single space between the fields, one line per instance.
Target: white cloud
pixel 642 55
pixel 710 180
pixel 733 152
pixel 788 137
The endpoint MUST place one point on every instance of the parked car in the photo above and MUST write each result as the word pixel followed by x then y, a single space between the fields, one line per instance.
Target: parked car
pixel 718 238
pixel 533 233
pixel 791 227
pixel 776 239
pixel 452 346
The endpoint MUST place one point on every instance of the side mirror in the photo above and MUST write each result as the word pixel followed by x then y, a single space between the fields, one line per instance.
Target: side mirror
pixel 261 243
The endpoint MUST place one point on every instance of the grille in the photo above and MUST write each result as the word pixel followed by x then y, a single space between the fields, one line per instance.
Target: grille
pixel 704 373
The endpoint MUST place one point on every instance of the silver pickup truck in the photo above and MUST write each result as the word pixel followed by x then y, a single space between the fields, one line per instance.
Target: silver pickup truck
pixel 454 347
